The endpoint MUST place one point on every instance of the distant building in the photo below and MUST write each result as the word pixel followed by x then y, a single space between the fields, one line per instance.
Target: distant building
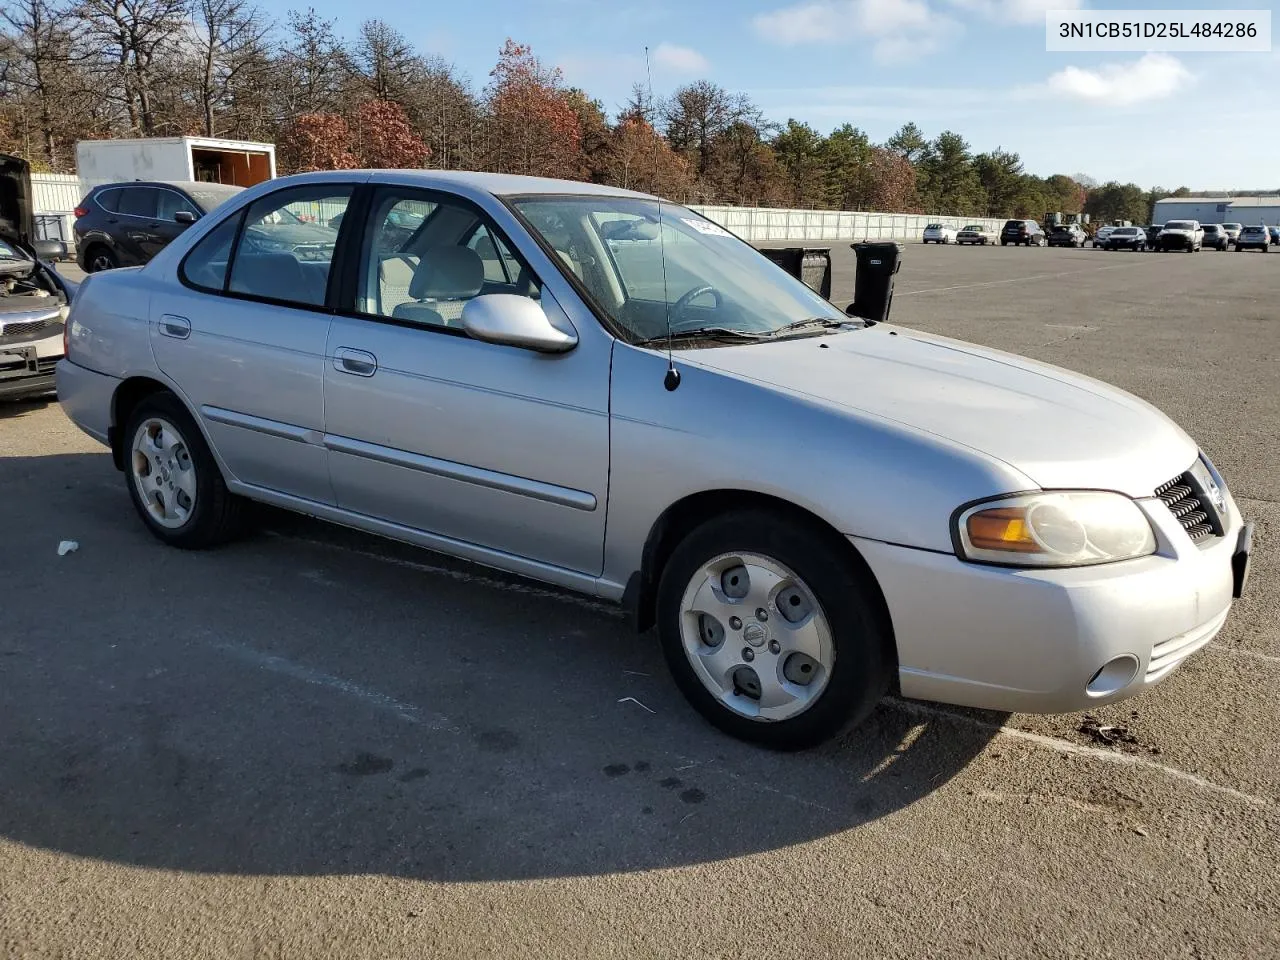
pixel 1247 210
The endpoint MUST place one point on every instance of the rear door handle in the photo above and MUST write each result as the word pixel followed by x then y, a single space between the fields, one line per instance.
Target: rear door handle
pixel 359 363
pixel 174 326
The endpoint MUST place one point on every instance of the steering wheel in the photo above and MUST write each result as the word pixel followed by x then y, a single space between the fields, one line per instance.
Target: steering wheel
pixel 683 303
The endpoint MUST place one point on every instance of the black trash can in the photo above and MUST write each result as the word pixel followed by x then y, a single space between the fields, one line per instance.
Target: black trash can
pixel 878 261
pixel 812 265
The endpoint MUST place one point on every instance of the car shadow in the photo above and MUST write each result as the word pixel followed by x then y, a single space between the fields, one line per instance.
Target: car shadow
pixel 13 409
pixel 312 700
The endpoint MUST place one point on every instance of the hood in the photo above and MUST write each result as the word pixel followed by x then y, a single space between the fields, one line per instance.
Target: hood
pixel 1060 429
pixel 17 220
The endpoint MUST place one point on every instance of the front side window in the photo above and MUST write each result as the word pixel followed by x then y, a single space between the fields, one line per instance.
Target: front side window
pixel 169 203
pixel 425 257
pixel 643 262
pixel 286 246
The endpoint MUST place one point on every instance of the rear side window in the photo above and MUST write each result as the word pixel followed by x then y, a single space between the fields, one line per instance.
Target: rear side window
pixel 138 202
pixel 287 245
pixel 206 265
pixel 108 200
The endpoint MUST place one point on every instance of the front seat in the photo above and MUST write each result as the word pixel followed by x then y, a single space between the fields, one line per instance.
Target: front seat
pixel 444 280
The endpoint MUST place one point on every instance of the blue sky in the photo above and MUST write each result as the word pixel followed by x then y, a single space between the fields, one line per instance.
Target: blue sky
pixel 979 67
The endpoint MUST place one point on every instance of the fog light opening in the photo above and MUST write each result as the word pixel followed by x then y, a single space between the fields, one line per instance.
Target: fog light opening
pixel 1115 675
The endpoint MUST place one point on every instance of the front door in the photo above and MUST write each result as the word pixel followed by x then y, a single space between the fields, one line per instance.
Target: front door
pixel 243 337
pixel 489 445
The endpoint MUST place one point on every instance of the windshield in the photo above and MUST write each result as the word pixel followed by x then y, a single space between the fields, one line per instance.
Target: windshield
pixel 973 228
pixel 1179 225
pixel 640 260
pixel 934 226
pixel 1125 232
pixel 1252 230
pixel 1231 226
pixel 8 252
pixel 209 195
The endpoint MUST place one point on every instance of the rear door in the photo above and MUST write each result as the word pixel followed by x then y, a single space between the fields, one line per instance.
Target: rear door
pixel 136 236
pixel 243 336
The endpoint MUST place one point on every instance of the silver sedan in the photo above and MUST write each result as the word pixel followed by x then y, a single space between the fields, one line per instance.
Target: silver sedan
pixel 611 393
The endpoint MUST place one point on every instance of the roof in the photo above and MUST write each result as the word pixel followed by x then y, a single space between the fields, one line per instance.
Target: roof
pixel 216 143
pixel 191 186
pixel 1264 201
pixel 503 184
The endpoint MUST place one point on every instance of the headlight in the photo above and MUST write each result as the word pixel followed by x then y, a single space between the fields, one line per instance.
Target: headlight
pixel 1054 530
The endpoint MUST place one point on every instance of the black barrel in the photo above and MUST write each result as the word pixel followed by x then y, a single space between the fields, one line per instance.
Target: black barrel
pixel 809 264
pixel 878 261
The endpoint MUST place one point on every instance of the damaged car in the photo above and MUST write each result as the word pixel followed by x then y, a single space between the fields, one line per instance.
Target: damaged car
pixel 34 297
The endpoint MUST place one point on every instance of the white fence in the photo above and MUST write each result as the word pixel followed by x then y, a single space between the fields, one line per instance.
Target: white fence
pixel 57 194
pixel 765 224
pixel 55 197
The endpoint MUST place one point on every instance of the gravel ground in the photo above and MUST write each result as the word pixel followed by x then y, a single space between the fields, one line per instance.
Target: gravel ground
pixel 314 743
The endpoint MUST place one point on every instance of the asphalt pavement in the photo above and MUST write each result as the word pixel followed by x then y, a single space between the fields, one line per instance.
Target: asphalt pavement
pixel 314 743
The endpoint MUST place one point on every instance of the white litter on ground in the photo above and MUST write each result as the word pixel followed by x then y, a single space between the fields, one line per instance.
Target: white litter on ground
pixel 68 546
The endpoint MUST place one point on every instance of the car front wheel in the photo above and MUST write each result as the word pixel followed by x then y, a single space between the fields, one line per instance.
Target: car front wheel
pixel 173 479
pixel 770 630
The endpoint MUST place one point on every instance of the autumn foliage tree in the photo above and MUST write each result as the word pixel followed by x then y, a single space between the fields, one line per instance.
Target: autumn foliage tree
pixel 316 141
pixel 384 138
pixel 534 128
pixel 638 158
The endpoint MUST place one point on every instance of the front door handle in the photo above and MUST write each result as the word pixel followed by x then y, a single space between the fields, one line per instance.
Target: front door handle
pixel 359 363
pixel 174 326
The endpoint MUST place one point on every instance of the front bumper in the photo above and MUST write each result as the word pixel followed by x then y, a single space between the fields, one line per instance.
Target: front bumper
pixel 1174 242
pixel 1033 640
pixel 26 368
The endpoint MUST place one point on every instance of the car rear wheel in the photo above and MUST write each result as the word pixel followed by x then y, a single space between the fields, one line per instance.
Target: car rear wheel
pixel 770 630
pixel 100 258
pixel 173 479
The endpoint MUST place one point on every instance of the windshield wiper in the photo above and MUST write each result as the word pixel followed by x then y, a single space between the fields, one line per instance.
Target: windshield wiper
pixel 827 323
pixel 706 333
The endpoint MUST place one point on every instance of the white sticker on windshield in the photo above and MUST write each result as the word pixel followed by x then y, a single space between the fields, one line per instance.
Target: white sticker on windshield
pixel 707 227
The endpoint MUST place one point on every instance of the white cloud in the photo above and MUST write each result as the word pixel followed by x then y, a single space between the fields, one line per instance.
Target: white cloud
pixel 1016 11
pixel 679 59
pixel 1154 76
pixel 900 29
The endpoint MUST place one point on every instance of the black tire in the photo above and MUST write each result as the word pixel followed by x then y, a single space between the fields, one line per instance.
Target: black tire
pixel 863 641
pixel 100 257
pixel 218 515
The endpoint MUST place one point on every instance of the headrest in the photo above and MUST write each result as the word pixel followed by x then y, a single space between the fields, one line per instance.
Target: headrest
pixel 447 273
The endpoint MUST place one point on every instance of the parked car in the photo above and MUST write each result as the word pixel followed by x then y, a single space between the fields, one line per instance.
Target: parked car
pixel 1254 238
pixel 1025 232
pixel 1153 231
pixel 1126 238
pixel 1067 235
pixel 1275 234
pixel 1185 235
pixel 541 374
pixel 33 296
pixel 939 233
pixel 974 233
pixel 1215 236
pixel 126 224
pixel 1100 237
pixel 1233 230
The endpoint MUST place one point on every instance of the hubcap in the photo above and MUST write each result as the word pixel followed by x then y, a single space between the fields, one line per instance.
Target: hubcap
pixel 756 636
pixel 101 262
pixel 163 472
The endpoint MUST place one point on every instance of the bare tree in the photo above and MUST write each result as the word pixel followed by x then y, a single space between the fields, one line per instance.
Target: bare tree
pixel 132 36
pixel 229 38
pixel 386 60
pixel 314 66
pixel 38 64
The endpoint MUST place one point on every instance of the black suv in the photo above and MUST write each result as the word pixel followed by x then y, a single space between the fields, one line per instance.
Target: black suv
pixel 1025 232
pixel 126 224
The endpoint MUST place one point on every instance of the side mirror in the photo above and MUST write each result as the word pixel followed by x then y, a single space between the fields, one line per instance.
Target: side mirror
pixel 516 322
pixel 49 249
pixel 185 217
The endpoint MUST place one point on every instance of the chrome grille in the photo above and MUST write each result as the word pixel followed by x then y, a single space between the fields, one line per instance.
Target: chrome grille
pixel 23 328
pixel 1187 504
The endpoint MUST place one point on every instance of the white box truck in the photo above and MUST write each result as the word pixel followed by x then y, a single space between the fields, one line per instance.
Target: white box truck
pixel 237 162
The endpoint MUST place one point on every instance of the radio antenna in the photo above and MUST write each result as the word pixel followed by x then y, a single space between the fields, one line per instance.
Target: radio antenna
pixel 671 380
